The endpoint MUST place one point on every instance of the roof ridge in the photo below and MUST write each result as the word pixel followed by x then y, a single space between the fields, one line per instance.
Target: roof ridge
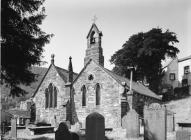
pixel 64 69
pixel 184 58
pixel 82 70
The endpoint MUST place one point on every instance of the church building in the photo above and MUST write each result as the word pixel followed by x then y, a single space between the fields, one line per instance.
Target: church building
pixel 64 95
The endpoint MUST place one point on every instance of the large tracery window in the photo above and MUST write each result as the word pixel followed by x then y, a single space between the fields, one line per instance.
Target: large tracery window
pixel 51 96
pixel 83 95
pixel 97 94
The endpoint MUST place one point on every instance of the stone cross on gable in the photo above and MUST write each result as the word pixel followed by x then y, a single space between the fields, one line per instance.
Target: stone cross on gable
pixel 94 19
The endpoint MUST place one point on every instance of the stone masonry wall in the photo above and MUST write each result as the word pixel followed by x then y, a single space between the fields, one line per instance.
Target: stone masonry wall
pixel 110 104
pixel 172 68
pixel 139 101
pixel 49 115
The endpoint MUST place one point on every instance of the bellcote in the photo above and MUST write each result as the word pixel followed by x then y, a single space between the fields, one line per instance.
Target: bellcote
pixel 94 37
pixel 94 50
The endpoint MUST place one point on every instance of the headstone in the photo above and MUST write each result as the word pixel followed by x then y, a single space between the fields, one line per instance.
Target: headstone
pixel 13 133
pixel 3 127
pixel 131 123
pixel 95 127
pixel 68 124
pixel 27 122
pixel 75 136
pixel 28 106
pixel 183 135
pixel 124 107
pixel 62 133
pixel 80 124
pixel 76 127
pixel 155 122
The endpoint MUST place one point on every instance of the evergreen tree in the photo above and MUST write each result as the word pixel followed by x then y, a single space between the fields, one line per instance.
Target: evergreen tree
pixel 22 41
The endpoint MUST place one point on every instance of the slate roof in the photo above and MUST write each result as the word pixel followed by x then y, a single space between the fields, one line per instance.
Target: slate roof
pixel 137 87
pixel 64 73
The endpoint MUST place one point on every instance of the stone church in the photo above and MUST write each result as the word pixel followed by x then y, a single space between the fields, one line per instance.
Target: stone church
pixel 64 95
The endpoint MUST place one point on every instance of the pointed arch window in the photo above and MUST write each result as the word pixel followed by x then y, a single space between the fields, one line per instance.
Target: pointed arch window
pixel 50 88
pixel 97 94
pixel 83 95
pixel 92 37
pixel 46 98
pixel 51 96
pixel 55 97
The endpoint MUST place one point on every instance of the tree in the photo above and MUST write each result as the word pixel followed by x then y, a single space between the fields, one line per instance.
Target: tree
pixel 22 41
pixel 145 52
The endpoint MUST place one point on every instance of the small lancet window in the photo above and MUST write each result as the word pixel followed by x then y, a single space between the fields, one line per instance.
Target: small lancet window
pixel 97 94
pixel 83 95
pixel 55 97
pixel 50 89
pixel 46 98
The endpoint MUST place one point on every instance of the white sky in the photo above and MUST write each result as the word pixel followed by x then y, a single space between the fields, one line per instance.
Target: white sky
pixel 70 21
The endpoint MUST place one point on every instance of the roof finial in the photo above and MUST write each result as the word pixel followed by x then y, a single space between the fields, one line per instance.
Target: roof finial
pixel 94 19
pixel 70 58
pixel 70 70
pixel 52 58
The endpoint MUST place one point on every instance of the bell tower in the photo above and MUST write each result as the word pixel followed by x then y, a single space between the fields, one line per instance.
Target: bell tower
pixel 94 50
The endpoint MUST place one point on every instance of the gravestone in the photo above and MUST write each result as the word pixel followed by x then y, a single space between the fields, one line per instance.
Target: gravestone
pixel 131 123
pixel 155 122
pixel 3 127
pixel 13 132
pixel 75 136
pixel 62 133
pixel 27 122
pixel 95 127
pixel 68 124
pixel 183 135
pixel 76 127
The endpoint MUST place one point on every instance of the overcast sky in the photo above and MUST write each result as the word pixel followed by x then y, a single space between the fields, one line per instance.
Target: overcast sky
pixel 70 21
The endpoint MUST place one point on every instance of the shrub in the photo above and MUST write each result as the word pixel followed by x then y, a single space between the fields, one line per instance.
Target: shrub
pixel 181 92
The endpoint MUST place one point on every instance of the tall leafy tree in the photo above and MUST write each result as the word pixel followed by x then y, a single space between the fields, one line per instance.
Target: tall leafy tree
pixel 145 52
pixel 22 41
